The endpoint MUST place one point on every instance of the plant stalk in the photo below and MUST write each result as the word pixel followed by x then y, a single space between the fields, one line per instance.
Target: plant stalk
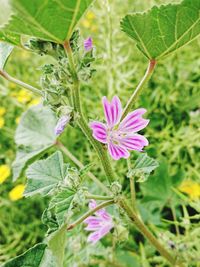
pixel 145 79
pixel 144 230
pixel 97 197
pixel 102 153
pixel 20 83
pixel 90 212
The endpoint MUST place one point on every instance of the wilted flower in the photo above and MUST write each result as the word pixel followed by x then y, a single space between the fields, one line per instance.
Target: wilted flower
pixel 100 224
pixel 120 136
pixel 17 192
pixel 88 44
pixel 61 124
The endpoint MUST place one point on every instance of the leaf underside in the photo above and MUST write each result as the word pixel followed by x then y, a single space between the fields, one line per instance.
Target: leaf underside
pixel 47 20
pixel 5 51
pixel 34 135
pixel 162 30
pixel 45 175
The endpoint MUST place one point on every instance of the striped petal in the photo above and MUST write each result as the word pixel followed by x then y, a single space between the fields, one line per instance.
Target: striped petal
pixel 117 152
pixel 112 111
pixel 134 122
pixel 99 131
pixel 134 142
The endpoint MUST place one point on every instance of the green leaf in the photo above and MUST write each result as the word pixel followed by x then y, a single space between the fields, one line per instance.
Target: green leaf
pixel 44 176
pixel 144 165
pixel 162 30
pixel 56 245
pixel 5 51
pixel 61 202
pixel 31 258
pixel 34 135
pixel 34 18
pixel 157 190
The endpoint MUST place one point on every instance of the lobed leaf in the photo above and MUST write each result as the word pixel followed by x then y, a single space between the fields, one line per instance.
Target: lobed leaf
pixel 47 20
pixel 144 165
pixel 44 176
pixel 61 202
pixel 162 30
pixel 34 135
pixel 32 257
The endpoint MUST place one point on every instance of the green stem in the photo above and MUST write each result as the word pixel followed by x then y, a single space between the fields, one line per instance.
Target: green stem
pixel 81 166
pixel 20 83
pixel 97 197
pixel 102 153
pixel 132 187
pixel 90 212
pixel 144 230
pixel 145 79
pixel 175 219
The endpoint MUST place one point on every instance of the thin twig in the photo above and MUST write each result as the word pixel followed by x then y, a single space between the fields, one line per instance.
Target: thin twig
pixel 20 83
pixel 89 213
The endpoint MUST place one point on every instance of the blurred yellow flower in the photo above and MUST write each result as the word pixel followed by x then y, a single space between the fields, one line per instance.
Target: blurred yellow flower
pixel 2 111
pixel 4 172
pixel 17 120
pixel 23 96
pixel 90 15
pixel 17 192
pixel 34 101
pixel 86 23
pixel 191 188
pixel 2 122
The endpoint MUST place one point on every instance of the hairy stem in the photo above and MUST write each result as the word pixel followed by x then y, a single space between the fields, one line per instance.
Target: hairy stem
pixel 102 153
pixel 90 212
pixel 132 187
pixel 97 197
pixel 144 230
pixel 145 79
pixel 20 83
pixel 80 165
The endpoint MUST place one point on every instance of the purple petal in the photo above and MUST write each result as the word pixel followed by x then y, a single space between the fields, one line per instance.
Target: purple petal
pixel 105 230
pixel 112 111
pixel 99 131
pixel 134 122
pixel 93 223
pixel 61 124
pixel 94 237
pixel 117 152
pixel 134 142
pixel 88 44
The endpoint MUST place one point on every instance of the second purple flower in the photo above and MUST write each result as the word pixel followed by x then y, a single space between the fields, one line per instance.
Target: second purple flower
pixel 120 136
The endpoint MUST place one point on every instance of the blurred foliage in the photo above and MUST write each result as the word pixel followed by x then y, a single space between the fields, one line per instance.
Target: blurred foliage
pixel 172 100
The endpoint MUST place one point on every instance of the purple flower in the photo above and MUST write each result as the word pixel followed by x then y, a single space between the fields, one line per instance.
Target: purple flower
pixel 61 124
pixel 88 44
pixel 120 136
pixel 100 224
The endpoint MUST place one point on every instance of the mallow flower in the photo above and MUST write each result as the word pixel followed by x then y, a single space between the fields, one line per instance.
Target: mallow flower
pixel 120 136
pixel 88 44
pixel 100 224
pixel 61 124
